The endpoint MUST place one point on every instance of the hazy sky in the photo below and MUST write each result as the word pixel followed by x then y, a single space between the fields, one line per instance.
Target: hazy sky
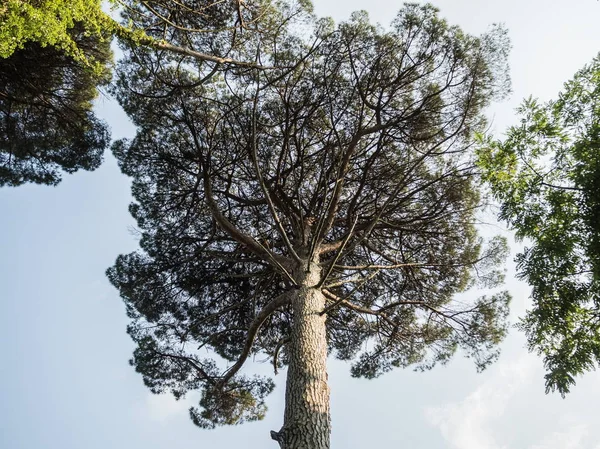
pixel 65 381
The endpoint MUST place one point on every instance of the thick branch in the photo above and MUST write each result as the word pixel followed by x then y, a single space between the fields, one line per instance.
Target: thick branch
pixel 131 36
pixel 280 262
pixel 252 331
pixel 280 345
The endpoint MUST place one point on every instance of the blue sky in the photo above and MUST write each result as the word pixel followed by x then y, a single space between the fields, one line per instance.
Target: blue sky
pixel 65 381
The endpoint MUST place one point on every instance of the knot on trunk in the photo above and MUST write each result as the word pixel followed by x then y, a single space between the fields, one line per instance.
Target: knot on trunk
pixel 277 436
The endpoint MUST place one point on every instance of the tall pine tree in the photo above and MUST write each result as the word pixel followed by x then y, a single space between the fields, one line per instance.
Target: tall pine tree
pixel 324 206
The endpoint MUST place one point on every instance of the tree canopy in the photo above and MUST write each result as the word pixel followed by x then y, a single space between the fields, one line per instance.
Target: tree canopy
pixel 50 23
pixel 546 176
pixel 158 24
pixel 46 119
pixel 328 205
pixel 55 55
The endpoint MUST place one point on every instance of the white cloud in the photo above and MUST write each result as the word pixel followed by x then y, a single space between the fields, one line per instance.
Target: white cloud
pixel 572 438
pixel 467 424
pixel 508 408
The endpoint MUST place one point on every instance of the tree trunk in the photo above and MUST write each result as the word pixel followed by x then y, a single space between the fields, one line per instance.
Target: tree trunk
pixel 307 423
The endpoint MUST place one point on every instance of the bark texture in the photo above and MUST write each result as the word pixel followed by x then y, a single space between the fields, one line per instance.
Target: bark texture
pixel 307 423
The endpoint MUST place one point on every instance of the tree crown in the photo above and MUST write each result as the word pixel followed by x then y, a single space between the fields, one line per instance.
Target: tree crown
pixel 353 154
pixel 546 176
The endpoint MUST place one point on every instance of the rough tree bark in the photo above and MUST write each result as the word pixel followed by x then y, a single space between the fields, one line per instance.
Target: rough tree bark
pixel 307 423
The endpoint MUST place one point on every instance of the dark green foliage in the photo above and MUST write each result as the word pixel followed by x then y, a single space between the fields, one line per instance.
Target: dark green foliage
pixel 46 119
pixel 55 54
pixel 355 151
pixel 546 175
